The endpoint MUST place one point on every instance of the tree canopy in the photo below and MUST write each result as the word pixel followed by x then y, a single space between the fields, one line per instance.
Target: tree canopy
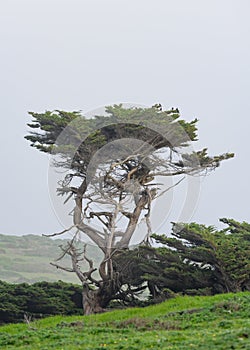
pixel 151 143
pixel 61 132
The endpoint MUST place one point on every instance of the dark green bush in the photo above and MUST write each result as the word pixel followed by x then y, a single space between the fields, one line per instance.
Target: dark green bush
pixel 38 300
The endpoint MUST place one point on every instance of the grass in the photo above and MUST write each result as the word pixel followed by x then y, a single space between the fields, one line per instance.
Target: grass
pixel 214 322
pixel 27 259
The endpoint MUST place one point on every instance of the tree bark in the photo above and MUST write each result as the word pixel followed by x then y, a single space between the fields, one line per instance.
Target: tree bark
pixel 91 302
pixel 96 301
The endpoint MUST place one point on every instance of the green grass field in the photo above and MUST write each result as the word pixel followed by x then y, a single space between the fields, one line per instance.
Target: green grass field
pixel 27 259
pixel 217 322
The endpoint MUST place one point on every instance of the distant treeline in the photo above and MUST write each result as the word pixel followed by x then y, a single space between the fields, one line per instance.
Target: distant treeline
pixel 38 300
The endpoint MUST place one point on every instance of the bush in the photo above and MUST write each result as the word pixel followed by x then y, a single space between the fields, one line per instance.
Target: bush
pixel 38 300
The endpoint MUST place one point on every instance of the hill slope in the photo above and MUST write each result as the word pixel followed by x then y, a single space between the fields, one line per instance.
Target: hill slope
pixel 27 259
pixel 219 322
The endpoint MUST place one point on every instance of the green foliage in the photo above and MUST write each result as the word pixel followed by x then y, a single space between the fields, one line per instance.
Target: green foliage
pixel 164 272
pixel 202 323
pixel 51 123
pixel 223 256
pixel 86 135
pixel 38 300
pixel 195 260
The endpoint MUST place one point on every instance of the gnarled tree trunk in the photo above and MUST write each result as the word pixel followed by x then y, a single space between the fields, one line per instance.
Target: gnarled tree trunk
pixel 91 301
pixel 96 301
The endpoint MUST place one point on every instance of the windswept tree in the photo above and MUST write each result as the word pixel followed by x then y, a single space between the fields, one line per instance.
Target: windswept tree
pixel 194 259
pixel 114 164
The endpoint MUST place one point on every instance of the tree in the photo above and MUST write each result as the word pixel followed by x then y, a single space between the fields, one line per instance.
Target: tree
pixel 114 162
pixel 195 259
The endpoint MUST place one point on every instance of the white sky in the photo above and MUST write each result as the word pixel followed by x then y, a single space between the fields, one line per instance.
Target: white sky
pixel 80 55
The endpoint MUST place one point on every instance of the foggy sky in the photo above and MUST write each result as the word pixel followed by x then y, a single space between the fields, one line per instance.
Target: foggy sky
pixel 80 55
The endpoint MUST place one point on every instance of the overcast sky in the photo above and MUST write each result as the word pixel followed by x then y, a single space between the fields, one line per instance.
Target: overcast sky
pixel 80 55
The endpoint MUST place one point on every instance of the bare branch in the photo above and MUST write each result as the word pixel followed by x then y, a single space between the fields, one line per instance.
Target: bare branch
pixel 62 267
pixel 66 249
pixel 133 222
pixel 59 233
pixel 169 188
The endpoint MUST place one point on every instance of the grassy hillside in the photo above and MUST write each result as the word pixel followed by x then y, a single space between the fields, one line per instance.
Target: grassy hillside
pixel 220 322
pixel 27 259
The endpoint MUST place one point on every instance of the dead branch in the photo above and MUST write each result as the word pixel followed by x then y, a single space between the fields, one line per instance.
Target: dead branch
pixel 62 267
pixel 66 249
pixel 99 215
pixel 132 172
pixel 59 233
pixel 169 188
pixel 133 220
